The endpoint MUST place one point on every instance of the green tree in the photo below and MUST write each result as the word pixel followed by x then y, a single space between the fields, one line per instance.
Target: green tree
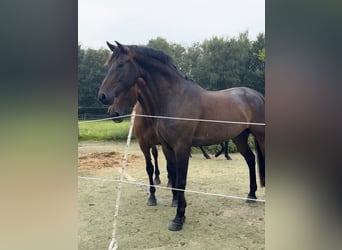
pixel 161 44
pixel 255 76
pixel 91 72
pixel 222 62
pixel 176 51
pixel 215 63
pixel 191 59
pixel 262 55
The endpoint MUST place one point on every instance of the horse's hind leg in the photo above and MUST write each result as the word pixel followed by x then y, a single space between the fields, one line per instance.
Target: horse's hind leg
pixel 221 150
pixel 226 150
pixel 259 137
pixel 171 172
pixel 156 168
pixel 241 142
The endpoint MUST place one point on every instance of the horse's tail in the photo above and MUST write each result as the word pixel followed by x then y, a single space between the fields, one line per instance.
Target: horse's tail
pixel 261 163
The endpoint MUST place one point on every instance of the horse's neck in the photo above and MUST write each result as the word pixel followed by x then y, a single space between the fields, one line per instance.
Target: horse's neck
pixel 147 109
pixel 161 88
pixel 163 85
pixel 159 76
pixel 145 98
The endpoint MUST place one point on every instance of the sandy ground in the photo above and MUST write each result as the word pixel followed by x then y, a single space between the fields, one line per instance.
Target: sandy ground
pixel 212 222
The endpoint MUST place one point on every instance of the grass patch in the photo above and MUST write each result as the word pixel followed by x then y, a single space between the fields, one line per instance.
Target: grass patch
pixel 110 131
pixel 103 131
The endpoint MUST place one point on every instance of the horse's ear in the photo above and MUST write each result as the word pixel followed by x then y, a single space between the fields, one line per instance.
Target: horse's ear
pixel 111 46
pixel 141 82
pixel 122 48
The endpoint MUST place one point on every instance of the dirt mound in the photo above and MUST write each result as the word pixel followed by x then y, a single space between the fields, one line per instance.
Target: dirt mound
pixel 98 160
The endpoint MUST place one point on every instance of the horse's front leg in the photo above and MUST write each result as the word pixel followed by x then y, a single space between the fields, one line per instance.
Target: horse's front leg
pixel 182 162
pixel 226 147
pixel 156 167
pixel 152 201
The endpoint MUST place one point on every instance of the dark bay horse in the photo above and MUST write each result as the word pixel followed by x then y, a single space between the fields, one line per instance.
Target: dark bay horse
pixel 145 133
pixel 224 149
pixel 167 93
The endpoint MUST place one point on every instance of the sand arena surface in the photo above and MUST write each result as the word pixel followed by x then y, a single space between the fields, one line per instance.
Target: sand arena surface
pixel 211 223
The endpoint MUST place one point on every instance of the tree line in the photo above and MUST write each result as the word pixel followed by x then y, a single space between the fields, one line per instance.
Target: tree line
pixel 215 64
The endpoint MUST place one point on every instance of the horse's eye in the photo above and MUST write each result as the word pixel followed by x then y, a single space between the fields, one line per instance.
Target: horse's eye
pixel 120 65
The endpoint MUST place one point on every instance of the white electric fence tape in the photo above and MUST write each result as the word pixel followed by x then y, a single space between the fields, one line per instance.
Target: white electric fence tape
pixel 114 244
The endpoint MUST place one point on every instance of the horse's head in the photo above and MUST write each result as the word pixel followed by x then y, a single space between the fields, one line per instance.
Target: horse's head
pixel 122 103
pixel 122 74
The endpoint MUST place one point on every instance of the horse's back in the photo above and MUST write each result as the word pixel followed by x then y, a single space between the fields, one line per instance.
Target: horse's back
pixel 225 107
pixel 253 100
pixel 237 104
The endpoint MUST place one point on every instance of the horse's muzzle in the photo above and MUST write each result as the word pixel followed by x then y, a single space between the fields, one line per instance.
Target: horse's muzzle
pixel 117 119
pixel 114 114
pixel 104 99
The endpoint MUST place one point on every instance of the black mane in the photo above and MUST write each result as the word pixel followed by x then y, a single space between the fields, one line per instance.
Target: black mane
pixel 156 54
pixel 151 52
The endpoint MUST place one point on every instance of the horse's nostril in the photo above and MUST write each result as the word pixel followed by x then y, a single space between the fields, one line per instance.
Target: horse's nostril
pixel 102 97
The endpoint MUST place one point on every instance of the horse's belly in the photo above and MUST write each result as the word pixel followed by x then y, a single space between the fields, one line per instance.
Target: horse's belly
pixel 216 134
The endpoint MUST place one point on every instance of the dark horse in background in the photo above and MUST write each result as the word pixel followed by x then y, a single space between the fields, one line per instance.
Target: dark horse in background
pixel 145 133
pixel 224 149
pixel 147 138
pixel 167 93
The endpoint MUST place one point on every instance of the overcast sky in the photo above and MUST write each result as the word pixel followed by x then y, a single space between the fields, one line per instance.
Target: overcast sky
pixel 178 21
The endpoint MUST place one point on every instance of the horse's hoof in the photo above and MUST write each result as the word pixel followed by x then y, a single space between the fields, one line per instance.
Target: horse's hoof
pixel 156 181
pixel 251 198
pixel 174 203
pixel 228 158
pixel 177 224
pixel 152 202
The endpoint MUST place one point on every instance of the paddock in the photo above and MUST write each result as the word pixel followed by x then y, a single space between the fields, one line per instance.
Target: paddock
pixel 212 222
